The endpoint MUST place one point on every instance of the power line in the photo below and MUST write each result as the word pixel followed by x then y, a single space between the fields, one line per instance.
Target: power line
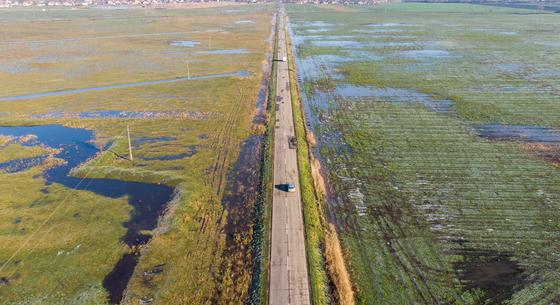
pixel 47 219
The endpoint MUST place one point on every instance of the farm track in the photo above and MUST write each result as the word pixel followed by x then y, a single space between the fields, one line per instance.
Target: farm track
pixel 222 144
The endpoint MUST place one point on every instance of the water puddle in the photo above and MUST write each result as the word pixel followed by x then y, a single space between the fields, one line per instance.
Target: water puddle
pixel 233 11
pixel 16 67
pixel 395 95
pixel 328 37
pixel 324 66
pixel 319 67
pixel 348 91
pixel 509 33
pixel 379 31
pixel 185 43
pixel 495 31
pixel 523 133
pixel 318 24
pixel 20 165
pixel 242 188
pixel 316 30
pixel 359 55
pixel 244 22
pixel 391 25
pixel 148 200
pixel 385 35
pixel 137 142
pixel 394 44
pixel 337 43
pixel 224 52
pixel 546 74
pixel 508 68
pixel 425 54
pixel 554 44
pixel 416 67
pixel 495 274
pixel 118 114
pixel 119 86
pixel 193 150
pixel 245 212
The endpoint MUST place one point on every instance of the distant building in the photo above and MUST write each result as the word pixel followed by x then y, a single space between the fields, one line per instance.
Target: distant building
pixel 87 3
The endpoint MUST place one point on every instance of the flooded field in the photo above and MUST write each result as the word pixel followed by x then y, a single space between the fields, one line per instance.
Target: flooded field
pixel 83 220
pixel 441 149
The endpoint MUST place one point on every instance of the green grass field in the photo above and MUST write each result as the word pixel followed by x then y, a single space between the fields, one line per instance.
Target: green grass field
pixel 66 257
pixel 430 209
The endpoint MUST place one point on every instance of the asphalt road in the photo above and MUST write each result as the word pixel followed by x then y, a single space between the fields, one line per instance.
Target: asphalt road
pixel 288 266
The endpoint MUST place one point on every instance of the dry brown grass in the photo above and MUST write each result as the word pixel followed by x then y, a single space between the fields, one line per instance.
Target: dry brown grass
pixel 549 153
pixel 311 139
pixel 4 140
pixel 339 8
pixel 258 129
pixel 343 293
pixel 318 180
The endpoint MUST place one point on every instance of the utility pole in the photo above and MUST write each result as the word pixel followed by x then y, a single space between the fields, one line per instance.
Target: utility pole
pixel 188 71
pixel 209 42
pixel 129 143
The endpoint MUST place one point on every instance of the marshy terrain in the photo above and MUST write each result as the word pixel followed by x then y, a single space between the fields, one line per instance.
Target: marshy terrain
pixel 438 129
pixel 82 223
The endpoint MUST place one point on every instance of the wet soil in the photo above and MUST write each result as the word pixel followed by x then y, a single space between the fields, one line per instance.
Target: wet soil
pixel 225 52
pixel 523 133
pixel 496 274
pixel 193 150
pixel 239 201
pixel 185 43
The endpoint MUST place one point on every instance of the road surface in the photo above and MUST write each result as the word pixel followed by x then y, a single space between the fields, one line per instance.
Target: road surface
pixel 288 264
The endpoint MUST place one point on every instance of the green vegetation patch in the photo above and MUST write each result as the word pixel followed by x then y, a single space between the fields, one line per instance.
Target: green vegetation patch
pixel 431 209
pixel 184 134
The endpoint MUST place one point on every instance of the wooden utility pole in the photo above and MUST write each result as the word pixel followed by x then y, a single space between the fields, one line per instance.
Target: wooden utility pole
pixel 188 71
pixel 129 143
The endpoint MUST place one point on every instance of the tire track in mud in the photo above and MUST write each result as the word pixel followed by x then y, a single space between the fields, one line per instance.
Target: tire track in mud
pixel 209 219
pixel 222 144
pixel 215 172
pixel 235 218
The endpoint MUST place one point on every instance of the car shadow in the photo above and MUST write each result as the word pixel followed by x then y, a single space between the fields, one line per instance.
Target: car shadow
pixel 282 187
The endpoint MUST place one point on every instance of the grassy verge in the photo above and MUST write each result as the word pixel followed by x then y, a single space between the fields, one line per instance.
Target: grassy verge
pixel 312 211
pixel 263 208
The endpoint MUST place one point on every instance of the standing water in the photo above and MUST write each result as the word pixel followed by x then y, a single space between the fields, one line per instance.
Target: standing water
pixel 148 200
